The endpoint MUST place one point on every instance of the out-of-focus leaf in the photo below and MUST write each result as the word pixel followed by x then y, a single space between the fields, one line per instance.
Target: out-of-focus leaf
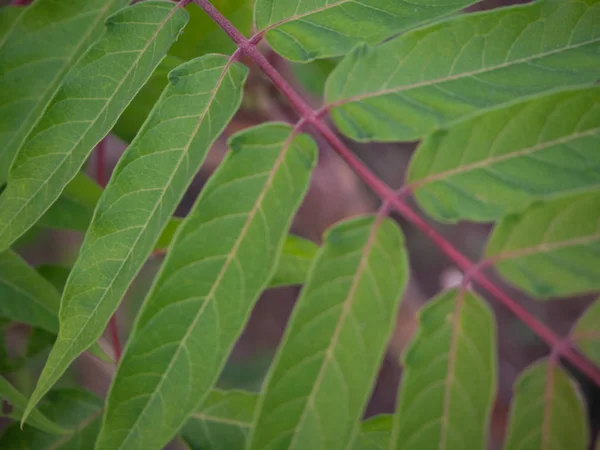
pixel 76 410
pixel 84 109
pixel 586 333
pixel 503 160
pixel 38 340
pixel 39 45
pixel 18 401
pixel 222 258
pixel 552 248
pixel 295 261
pixel 547 412
pixel 313 76
pixel 57 275
pixel 431 77
pixel 303 30
pixel 143 192
pixel 375 433
pixel 322 375
pixel 449 380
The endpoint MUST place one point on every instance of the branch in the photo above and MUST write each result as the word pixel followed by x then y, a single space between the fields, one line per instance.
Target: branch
pixel 388 196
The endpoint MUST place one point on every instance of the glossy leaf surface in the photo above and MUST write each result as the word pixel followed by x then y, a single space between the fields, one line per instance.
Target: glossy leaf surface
pixel 547 412
pixel 552 248
pixel 302 30
pixel 431 77
pixel 335 340
pixel 84 109
pixel 449 382
pixel 37 50
pixel 222 258
pixel 501 161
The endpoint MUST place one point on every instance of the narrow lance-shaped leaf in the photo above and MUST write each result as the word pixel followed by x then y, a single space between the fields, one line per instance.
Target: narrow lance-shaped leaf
pixel 322 375
pixel 143 193
pixel 449 379
pixel 430 77
pixel 222 258
pixel 551 249
pixel 302 30
pixel 547 412
pixel 84 109
pixel 501 161
pixel 18 401
pixel 36 52
pixel 78 411
pixel 586 333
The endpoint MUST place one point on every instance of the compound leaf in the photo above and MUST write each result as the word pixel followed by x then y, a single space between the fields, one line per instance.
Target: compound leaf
pixel 222 258
pixel 431 77
pixel 84 109
pixel 501 161
pixel 586 333
pixel 76 410
pixel 143 193
pixel 37 50
pixel 322 375
pixel 552 248
pixel 449 380
pixel 303 30
pixel 547 411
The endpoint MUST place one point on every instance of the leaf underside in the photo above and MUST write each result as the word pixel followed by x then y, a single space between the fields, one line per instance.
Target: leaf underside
pixel 449 380
pixel 552 249
pixel 335 340
pixel 431 77
pixel 222 258
pixel 84 109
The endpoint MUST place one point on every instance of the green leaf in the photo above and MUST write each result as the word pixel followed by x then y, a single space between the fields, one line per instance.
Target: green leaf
pixel 36 52
pixel 552 248
pixel 501 161
pixel 143 192
pixel 26 296
pixel 449 380
pixel 375 433
pixel 84 109
pixel 313 76
pixel 18 401
pixel 76 410
pixel 303 30
pixel 586 333
pixel 222 422
pixel 295 261
pixel 431 77
pixel 322 375
pixel 547 412
pixel 222 258
pixel 55 274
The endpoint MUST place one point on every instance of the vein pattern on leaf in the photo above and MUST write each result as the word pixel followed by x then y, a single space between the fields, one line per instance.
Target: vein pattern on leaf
pixel 303 30
pixel 84 109
pixel 148 29
pixel 431 77
pixel 586 333
pixel 36 52
pixel 335 340
pixel 223 256
pixel 499 162
pixel 449 379
pixel 547 412
pixel 551 249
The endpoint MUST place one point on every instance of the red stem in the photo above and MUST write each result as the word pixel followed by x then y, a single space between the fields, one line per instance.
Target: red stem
pixel 389 196
pixel 113 326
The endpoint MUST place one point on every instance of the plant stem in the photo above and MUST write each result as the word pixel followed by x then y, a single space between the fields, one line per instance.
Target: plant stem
pixel 113 326
pixel 389 196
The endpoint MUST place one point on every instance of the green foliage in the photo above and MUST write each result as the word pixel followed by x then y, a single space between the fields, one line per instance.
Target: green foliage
pixel 295 261
pixel 303 30
pixel 84 109
pixel 547 411
pixel 449 382
pixel 431 77
pixel 552 248
pixel 586 333
pixel 37 49
pixel 230 241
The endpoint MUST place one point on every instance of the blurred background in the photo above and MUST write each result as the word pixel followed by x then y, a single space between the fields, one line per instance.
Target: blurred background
pixel 335 194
